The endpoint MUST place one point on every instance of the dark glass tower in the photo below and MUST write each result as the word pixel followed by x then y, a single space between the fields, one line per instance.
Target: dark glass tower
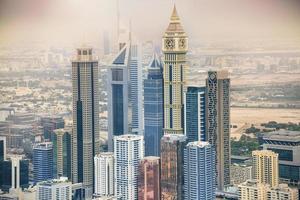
pixel 153 108
pixel 194 114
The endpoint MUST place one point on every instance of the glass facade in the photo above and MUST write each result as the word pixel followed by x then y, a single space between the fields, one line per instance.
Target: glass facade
pixel 289 172
pixel 42 161
pixel 172 147
pixel 286 155
pixel 2 151
pixel 153 111
pixel 118 107
pixel 149 179
pixel 195 114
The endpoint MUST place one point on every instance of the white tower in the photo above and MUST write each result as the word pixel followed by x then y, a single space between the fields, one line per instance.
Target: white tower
pixel 128 151
pixel 104 174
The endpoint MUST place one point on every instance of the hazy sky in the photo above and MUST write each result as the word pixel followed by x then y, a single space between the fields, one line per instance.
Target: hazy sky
pixel 72 21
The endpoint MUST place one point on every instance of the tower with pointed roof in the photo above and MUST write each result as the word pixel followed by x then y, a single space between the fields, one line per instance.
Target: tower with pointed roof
pixel 153 107
pixel 174 47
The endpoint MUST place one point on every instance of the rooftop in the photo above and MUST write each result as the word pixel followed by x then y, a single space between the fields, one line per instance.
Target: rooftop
pixel 200 144
pixel 284 135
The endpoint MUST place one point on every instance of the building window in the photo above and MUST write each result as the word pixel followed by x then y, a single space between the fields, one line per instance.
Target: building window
pixel 117 74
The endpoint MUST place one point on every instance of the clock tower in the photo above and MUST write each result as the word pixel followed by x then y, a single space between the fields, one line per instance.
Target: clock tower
pixel 174 48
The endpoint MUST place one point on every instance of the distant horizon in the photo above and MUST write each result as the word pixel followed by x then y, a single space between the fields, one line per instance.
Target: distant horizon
pixel 76 22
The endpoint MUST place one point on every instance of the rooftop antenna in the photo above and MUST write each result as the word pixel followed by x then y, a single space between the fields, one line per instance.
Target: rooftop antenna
pixel 118 20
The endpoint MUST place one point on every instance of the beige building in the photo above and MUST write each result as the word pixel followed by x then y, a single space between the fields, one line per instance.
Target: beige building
pixel 265 167
pixel 174 48
pixel 282 192
pixel 252 190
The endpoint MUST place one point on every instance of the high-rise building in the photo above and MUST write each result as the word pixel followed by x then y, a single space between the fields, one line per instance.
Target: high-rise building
pixel 14 173
pixel 104 174
pixel 135 98
pixel 199 171
pixel 42 161
pixel 128 151
pixel 218 122
pixel 149 179
pixel 118 98
pixel 287 145
pixel 2 148
pixel 265 167
pixel 153 107
pixel 62 139
pixel 85 137
pixel 50 123
pixel 55 189
pixel 194 114
pixel 174 48
pixel 172 148
pixel 252 190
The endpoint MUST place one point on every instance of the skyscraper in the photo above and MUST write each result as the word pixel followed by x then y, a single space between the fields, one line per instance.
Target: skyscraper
pixel 14 173
pixel 265 167
pixel 174 48
pixel 56 189
pixel 128 151
pixel 135 90
pixel 118 105
pixel 194 114
pixel 42 161
pixel 2 148
pixel 218 122
pixel 153 107
pixel 149 178
pixel 85 137
pixel 61 139
pixel 50 123
pixel 199 171
pixel 172 147
pixel 104 174
pixel 125 93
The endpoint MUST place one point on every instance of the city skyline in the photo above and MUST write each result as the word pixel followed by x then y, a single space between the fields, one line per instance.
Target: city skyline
pixel 130 119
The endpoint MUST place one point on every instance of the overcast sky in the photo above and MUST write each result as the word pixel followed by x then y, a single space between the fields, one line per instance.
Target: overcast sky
pixel 72 21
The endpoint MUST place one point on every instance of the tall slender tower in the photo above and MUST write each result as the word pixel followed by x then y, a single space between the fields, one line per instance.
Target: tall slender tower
pixel 85 137
pixel 199 173
pixel 128 151
pixel 153 107
pixel 218 122
pixel 174 47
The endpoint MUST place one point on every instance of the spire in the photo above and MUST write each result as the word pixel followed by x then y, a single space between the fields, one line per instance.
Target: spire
pixel 174 16
pixel 175 25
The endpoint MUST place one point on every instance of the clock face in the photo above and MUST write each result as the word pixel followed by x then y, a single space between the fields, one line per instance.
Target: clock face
pixel 212 76
pixel 169 44
pixel 182 43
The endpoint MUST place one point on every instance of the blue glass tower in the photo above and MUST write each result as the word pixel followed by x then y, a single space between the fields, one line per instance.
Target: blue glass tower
pixel 194 111
pixel 199 171
pixel 42 161
pixel 153 105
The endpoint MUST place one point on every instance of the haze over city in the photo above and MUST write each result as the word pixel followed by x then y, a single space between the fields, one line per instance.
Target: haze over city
pixel 149 99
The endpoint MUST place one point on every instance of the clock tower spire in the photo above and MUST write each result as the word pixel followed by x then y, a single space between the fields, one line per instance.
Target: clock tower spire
pixel 174 48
